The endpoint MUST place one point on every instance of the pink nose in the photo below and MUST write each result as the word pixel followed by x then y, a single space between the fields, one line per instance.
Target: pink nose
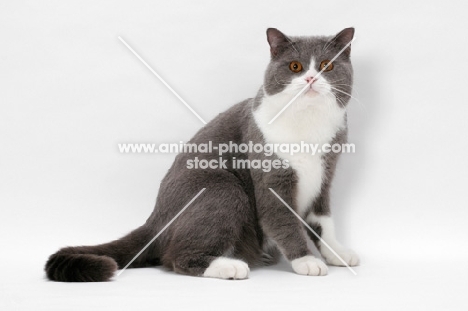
pixel 310 80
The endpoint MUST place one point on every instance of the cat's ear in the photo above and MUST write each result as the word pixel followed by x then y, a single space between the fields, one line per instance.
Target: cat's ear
pixel 343 38
pixel 277 40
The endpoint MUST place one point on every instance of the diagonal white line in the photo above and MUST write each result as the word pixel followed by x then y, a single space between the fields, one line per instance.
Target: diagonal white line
pixel 311 81
pixel 162 80
pixel 162 230
pixel 315 233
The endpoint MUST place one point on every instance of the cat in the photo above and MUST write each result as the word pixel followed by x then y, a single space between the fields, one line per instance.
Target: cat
pixel 237 222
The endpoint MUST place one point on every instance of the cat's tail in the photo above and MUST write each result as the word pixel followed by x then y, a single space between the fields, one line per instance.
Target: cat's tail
pixel 98 263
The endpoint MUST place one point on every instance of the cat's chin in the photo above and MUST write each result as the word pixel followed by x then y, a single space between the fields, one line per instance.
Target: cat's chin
pixel 312 93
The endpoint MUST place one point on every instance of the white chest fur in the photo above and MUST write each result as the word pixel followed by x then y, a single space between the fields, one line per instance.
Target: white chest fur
pixel 311 120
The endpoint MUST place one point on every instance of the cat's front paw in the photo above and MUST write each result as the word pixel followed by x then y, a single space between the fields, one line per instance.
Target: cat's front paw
pixel 348 256
pixel 227 268
pixel 309 265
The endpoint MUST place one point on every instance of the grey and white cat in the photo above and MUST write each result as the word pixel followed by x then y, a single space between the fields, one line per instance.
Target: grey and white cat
pixel 238 222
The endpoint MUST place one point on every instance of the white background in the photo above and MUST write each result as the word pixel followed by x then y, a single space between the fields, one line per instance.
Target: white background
pixel 70 91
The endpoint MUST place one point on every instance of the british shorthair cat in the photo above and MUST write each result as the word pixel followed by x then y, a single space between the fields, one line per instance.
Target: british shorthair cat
pixel 237 222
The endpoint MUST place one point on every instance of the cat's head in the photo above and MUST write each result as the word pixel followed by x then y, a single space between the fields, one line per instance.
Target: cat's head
pixel 295 61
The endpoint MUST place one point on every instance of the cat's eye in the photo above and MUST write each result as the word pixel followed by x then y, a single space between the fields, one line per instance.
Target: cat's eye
pixel 295 66
pixel 324 64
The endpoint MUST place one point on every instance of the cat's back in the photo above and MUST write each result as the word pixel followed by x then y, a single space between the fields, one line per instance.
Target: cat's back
pixel 229 125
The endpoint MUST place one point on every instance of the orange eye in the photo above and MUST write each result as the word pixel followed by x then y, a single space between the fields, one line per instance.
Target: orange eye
pixel 295 66
pixel 324 64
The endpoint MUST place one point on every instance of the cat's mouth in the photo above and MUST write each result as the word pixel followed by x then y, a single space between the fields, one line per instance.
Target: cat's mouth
pixel 311 92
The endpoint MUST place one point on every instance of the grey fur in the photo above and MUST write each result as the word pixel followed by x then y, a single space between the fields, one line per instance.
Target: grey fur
pixel 237 213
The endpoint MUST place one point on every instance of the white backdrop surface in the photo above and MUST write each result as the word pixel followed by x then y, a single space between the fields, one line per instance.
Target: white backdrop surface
pixel 71 91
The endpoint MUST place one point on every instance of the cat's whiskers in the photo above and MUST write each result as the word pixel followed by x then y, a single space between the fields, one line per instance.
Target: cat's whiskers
pixel 342 84
pixel 354 90
pixel 278 82
pixel 345 93
pixel 341 102
pixel 294 84
pixel 351 96
pixel 331 96
pixel 297 86
pixel 334 81
pixel 333 85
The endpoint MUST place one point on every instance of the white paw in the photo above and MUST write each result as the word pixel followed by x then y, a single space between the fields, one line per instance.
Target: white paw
pixel 349 256
pixel 227 268
pixel 309 265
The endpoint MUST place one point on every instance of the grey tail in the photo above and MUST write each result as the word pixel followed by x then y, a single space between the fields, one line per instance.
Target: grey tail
pixel 98 263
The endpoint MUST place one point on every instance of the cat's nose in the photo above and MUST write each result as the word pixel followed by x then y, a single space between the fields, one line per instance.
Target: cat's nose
pixel 310 79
